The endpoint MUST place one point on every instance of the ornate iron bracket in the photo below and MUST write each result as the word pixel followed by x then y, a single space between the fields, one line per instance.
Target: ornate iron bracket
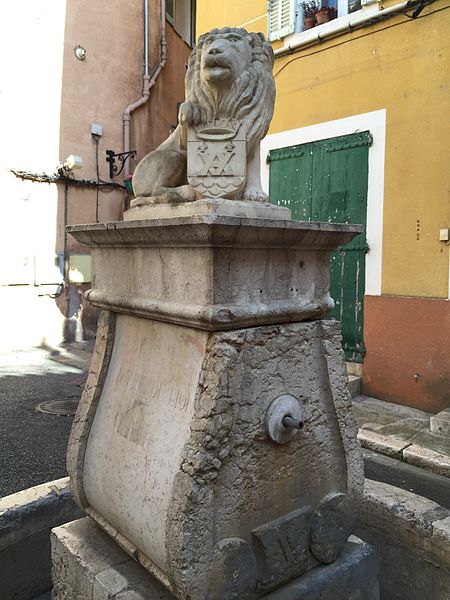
pixel 111 156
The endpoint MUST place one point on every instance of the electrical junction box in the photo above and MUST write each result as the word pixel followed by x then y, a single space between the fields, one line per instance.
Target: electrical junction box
pixel 96 129
pixel 444 235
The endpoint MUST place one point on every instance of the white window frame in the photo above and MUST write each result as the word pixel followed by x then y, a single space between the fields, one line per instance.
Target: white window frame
pixel 375 122
pixel 368 7
pixel 276 18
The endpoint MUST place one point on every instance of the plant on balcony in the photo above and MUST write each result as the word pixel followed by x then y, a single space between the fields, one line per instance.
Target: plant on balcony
pixel 310 9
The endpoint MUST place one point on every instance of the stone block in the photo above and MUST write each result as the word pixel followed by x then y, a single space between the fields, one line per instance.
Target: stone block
pixel 206 325
pixel 88 565
pixel 412 537
pixel 353 576
pixel 26 519
pixel 429 451
pixel 213 272
pixel 385 427
pixel 186 417
pixel 207 206
pixel 440 423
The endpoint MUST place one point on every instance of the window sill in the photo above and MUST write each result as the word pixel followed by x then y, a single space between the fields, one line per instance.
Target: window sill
pixel 326 29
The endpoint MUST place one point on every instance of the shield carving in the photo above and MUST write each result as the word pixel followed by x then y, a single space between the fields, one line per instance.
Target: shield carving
pixel 216 158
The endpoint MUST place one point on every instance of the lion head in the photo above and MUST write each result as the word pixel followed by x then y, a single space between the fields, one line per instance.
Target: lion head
pixel 230 75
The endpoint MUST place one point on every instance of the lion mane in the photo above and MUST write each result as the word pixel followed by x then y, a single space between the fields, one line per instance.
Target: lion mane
pixel 250 97
pixel 161 175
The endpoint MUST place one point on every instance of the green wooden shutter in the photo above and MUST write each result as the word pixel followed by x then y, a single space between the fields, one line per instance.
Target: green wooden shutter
pixel 327 181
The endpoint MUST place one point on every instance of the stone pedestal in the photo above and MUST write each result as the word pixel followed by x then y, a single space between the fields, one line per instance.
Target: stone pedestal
pixel 179 449
pixel 88 565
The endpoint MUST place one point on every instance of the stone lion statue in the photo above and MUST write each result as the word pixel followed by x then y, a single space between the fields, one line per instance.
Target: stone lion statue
pixel 229 77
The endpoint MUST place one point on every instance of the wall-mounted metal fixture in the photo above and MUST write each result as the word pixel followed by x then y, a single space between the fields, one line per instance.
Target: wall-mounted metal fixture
pixel 122 157
pixel 80 52
pixel 284 418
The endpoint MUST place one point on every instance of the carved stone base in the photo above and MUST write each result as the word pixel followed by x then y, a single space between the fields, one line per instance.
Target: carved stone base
pixel 170 453
pixel 152 208
pixel 88 565
pixel 178 449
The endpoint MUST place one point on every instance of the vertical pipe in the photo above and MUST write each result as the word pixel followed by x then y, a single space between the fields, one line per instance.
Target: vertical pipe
pixel 145 37
pixel 148 82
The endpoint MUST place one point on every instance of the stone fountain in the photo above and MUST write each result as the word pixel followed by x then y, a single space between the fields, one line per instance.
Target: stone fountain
pixel 214 443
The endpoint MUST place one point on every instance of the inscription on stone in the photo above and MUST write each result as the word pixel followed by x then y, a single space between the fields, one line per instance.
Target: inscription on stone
pixel 283 544
pixel 140 389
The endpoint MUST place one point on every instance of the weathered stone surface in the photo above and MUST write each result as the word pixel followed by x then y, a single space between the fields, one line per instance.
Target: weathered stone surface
pixel 213 272
pixel 182 412
pixel 334 519
pixel 440 423
pixel 353 576
pixel 169 452
pixel 26 519
pixel 214 151
pixel 233 571
pixel 207 206
pixel 412 537
pixel 387 428
pixel 89 566
pixel 285 542
pixel 431 451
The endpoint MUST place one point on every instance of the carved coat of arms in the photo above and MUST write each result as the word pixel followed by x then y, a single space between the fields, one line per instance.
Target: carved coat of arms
pixel 216 157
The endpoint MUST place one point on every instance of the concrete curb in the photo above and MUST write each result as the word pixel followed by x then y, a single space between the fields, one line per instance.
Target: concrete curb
pixel 403 433
pixel 26 519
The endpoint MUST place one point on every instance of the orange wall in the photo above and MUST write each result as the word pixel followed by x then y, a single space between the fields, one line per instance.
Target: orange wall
pixel 98 89
pixel 404 337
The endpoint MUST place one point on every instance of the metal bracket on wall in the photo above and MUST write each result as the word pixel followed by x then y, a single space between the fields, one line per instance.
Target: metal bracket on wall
pixel 111 156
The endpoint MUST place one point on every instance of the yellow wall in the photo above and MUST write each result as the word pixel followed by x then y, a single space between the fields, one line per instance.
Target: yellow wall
pixel 231 13
pixel 402 66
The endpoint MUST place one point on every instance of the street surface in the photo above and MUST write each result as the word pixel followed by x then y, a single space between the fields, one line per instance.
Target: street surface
pixel 33 444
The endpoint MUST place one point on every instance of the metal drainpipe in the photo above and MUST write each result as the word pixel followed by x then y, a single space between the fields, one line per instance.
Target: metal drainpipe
pixel 148 82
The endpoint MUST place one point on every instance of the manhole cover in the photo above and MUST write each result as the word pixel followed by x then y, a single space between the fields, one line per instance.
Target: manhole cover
pixel 58 407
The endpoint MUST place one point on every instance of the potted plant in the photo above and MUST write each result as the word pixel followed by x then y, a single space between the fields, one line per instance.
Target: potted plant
pixel 310 9
pixel 325 13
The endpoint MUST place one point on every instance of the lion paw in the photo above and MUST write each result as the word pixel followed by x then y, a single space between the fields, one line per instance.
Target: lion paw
pixel 254 194
pixel 189 114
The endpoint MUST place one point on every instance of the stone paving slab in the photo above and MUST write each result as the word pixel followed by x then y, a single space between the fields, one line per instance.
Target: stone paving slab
pixel 440 423
pixel 430 451
pixel 402 432
pixel 385 427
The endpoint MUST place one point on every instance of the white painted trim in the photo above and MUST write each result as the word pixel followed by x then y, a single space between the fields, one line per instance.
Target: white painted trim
pixel 264 16
pixel 375 122
pixel 339 25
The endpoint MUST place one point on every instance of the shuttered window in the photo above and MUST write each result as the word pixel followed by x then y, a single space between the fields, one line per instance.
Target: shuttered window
pixel 281 18
pixel 327 181
pixel 170 11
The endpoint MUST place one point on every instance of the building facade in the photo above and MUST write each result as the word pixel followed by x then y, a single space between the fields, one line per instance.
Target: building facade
pixel 359 134
pixel 78 78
